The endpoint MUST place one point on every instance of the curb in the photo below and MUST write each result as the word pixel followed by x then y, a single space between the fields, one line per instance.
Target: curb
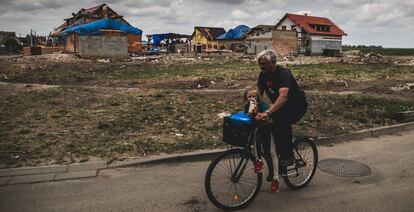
pixel 88 170
pixel 185 157
pixel 210 154
pixel 373 132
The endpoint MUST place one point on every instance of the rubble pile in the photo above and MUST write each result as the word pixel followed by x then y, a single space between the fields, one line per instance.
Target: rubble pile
pixel 372 57
pixel 404 61
pixel 356 56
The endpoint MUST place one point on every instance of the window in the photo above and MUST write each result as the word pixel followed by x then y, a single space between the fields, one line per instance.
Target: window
pixel 203 46
pixel 322 28
pixel 209 46
pixel 283 28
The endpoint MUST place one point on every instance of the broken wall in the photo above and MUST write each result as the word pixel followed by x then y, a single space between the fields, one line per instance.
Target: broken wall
pixel 259 41
pixel 103 46
pixel 256 46
pixel 72 43
pixel 320 43
pixel 284 42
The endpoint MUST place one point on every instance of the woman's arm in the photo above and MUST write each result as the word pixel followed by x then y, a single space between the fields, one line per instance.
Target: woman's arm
pixel 280 101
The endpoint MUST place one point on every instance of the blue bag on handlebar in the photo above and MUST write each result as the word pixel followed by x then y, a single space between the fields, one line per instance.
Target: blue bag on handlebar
pixel 241 119
pixel 237 129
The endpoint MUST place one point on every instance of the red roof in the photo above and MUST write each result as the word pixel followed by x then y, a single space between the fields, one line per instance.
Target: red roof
pixel 307 23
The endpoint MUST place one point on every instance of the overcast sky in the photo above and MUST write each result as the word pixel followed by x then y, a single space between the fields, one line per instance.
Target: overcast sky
pixel 389 23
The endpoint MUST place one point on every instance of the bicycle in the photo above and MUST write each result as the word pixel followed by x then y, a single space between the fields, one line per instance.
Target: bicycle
pixel 234 169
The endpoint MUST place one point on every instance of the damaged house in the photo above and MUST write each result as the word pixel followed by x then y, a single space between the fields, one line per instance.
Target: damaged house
pixel 99 31
pixel 315 35
pixel 259 38
pixel 9 43
pixel 263 37
pixel 234 39
pixel 169 42
pixel 205 38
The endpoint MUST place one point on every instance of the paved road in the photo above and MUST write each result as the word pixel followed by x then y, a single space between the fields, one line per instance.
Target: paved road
pixel 179 186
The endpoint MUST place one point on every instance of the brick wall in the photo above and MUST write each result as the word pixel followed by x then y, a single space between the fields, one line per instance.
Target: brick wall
pixel 284 42
pixel 51 50
pixel 134 43
pixel 72 43
pixel 34 50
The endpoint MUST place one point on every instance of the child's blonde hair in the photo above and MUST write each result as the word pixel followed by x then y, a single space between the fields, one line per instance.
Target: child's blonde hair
pixel 246 91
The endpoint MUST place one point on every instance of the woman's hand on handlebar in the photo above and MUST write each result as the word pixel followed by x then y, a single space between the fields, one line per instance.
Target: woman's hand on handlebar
pixel 261 116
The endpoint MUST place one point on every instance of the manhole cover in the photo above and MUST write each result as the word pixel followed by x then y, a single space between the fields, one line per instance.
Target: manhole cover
pixel 344 168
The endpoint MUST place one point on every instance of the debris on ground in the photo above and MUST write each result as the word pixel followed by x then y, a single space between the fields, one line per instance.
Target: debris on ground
pixel 356 56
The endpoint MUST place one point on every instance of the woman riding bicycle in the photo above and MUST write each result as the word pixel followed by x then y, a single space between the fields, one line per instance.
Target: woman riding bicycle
pixel 232 179
pixel 288 105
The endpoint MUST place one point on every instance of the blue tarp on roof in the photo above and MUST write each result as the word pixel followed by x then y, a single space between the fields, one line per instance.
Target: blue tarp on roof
pixel 157 38
pixel 236 33
pixel 93 28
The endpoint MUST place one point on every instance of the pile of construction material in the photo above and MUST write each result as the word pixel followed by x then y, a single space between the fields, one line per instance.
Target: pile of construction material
pixel 372 57
pixel 355 56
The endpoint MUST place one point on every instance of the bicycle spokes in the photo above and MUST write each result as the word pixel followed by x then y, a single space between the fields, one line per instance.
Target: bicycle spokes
pixel 238 172
pixel 306 158
pixel 231 181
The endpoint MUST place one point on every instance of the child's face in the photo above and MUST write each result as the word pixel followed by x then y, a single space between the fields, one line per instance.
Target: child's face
pixel 252 95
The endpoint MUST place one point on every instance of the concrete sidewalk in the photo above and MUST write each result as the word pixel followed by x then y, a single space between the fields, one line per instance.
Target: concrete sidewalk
pixel 87 170
pixel 50 173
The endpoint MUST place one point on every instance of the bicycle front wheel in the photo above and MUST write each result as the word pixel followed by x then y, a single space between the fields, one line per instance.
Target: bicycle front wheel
pixel 306 161
pixel 231 182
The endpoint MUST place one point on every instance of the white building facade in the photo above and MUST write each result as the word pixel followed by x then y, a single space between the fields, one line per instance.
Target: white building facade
pixel 315 35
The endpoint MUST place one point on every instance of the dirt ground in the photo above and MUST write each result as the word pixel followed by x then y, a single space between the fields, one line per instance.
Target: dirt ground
pixel 58 109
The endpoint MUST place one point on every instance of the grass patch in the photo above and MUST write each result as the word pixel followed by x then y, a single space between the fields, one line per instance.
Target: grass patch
pixel 383 51
pixel 69 124
pixel 329 72
pixel 72 123
pixel 113 75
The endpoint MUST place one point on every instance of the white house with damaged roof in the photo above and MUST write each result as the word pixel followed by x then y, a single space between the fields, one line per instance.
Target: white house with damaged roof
pixel 315 35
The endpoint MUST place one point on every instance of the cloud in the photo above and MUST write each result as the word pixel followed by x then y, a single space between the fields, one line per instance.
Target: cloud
pixel 304 12
pixel 230 2
pixel 239 14
pixel 361 19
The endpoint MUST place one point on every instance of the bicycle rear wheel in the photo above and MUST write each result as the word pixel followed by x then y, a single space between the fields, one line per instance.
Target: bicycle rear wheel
pixel 306 161
pixel 231 182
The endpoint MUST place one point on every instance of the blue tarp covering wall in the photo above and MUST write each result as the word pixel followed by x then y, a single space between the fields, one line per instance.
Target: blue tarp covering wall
pixel 236 33
pixel 93 28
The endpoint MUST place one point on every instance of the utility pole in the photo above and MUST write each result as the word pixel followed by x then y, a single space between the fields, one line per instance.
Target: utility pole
pixel 31 37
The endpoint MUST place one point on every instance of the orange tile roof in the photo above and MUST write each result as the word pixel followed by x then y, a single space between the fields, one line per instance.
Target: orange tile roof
pixel 306 22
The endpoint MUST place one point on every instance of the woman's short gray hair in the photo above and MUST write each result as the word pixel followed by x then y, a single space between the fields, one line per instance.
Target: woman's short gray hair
pixel 268 55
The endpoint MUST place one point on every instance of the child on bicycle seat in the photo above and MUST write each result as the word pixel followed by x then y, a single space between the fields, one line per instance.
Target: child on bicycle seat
pixel 252 103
